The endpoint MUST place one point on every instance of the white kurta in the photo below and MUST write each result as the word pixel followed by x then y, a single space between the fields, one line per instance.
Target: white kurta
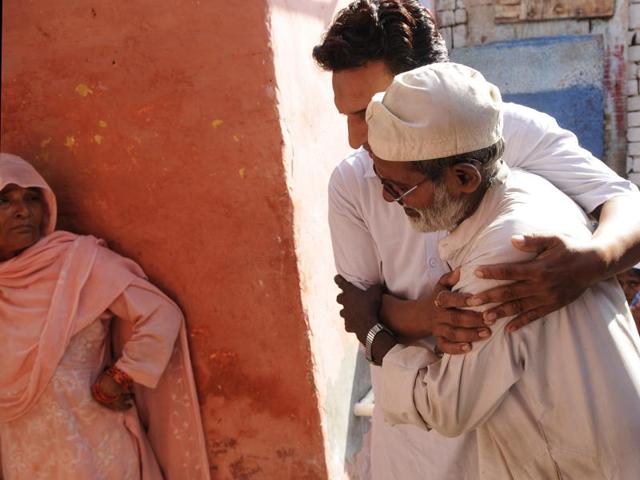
pixel 373 241
pixel 558 399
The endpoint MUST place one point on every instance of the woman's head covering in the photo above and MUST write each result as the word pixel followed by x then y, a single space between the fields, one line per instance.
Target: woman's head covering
pixel 14 170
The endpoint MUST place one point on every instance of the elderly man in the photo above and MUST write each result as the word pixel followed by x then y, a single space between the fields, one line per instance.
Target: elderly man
pixel 366 45
pixel 531 396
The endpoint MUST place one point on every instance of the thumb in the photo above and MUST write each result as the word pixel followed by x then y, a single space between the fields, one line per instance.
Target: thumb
pixel 449 279
pixel 530 243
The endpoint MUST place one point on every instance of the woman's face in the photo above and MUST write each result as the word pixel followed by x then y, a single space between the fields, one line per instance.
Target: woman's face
pixel 21 214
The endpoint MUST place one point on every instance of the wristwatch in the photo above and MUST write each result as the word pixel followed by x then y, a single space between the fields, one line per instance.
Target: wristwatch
pixel 371 335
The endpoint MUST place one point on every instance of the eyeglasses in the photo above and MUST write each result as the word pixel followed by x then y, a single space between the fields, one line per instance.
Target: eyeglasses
pixel 396 196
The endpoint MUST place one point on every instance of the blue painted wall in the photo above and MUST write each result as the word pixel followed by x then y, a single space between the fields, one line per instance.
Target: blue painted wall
pixel 561 76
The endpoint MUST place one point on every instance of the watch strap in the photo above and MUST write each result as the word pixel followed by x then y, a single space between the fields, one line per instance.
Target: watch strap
pixel 371 335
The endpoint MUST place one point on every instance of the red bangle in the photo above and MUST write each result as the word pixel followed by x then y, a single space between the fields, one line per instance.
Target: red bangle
pixel 120 377
pixel 102 397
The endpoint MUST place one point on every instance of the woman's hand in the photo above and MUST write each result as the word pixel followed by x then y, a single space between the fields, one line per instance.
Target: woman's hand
pixel 110 394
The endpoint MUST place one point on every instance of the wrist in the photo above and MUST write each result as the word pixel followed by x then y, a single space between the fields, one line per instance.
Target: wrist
pixel 600 259
pixel 424 311
pixel 381 345
pixel 365 326
pixel 119 376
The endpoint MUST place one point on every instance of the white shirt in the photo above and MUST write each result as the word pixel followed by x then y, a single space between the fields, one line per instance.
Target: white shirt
pixel 373 242
pixel 558 399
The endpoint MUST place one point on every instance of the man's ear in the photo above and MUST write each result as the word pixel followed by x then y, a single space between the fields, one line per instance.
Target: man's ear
pixel 464 178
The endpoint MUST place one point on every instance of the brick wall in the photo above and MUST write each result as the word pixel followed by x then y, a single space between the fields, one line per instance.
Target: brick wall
pixel 472 22
pixel 633 99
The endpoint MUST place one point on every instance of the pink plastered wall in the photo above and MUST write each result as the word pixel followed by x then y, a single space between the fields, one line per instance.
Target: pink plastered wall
pixel 156 124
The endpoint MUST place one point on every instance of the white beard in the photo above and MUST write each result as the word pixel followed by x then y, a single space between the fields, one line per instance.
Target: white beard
pixel 445 213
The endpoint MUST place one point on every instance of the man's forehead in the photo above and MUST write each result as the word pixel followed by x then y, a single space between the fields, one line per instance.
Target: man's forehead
pixel 354 87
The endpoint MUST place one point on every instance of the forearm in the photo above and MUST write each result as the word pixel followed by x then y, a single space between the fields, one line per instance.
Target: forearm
pixel 155 323
pixel 407 318
pixel 617 237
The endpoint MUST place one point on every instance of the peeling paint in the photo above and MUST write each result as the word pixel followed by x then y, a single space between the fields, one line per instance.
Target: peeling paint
pixel 216 123
pixel 70 141
pixel 242 172
pixel 102 124
pixel 97 139
pixel 83 89
pixel 45 142
pixel 236 138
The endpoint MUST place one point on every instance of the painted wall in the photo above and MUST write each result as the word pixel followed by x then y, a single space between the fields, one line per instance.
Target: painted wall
pixel 315 141
pixel 156 124
pixel 562 76
pixel 475 22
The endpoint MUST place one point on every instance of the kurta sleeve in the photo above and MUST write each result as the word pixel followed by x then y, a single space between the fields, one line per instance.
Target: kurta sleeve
pixel 156 323
pixel 535 142
pixel 457 393
pixel 354 250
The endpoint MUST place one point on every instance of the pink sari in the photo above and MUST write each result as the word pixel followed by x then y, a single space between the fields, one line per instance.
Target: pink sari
pixel 55 289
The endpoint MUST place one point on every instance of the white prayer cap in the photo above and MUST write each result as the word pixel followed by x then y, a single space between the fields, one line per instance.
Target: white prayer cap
pixel 436 111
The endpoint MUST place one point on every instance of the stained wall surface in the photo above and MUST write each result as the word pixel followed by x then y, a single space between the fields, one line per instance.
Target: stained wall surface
pixel 315 141
pixel 156 124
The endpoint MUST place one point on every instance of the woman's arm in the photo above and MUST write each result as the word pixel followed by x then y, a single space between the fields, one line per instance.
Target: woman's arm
pixel 156 323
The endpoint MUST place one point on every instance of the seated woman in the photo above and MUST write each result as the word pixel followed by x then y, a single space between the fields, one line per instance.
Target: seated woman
pixel 93 384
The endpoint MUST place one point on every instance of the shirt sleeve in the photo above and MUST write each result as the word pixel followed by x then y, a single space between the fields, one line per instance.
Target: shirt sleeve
pixel 156 323
pixel 354 250
pixel 535 142
pixel 457 393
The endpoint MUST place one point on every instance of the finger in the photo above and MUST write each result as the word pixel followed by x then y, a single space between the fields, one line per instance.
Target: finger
pixel 461 335
pixel 340 281
pixel 448 299
pixel 340 298
pixel 460 318
pixel 453 348
pixel 449 279
pixel 533 243
pixel 526 318
pixel 515 307
pixel 501 294
pixel 507 271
